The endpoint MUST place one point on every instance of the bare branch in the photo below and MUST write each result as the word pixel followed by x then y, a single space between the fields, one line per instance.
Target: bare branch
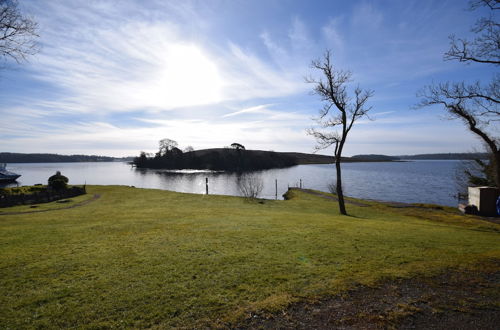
pixel 485 48
pixel 460 104
pixel 492 4
pixel 17 33
pixel 324 139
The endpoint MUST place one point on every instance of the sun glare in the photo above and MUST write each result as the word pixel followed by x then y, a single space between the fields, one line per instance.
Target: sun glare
pixel 186 77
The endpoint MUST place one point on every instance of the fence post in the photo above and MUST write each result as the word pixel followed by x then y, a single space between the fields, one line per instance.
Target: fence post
pixel 276 185
pixel 206 185
pixel 300 183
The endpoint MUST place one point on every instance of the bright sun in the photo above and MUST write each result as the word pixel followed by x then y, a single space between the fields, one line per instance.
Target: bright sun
pixel 186 77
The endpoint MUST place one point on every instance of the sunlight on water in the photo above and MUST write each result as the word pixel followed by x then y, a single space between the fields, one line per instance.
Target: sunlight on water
pixel 415 182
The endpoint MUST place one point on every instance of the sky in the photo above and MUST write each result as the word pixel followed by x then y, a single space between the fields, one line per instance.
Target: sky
pixel 114 77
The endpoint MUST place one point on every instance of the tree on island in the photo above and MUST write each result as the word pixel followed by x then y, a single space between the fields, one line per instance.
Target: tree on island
pixel 166 146
pixel 339 113
pixel 234 160
pixel 237 146
pixel 476 104
pixel 17 32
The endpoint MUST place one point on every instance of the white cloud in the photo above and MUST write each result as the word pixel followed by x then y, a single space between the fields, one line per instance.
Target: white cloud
pixel 266 114
pixel 256 109
pixel 300 38
pixel 80 137
pixel 133 66
pixel 107 63
pixel 366 16
pixel 278 53
pixel 333 36
pixel 248 77
pixel 104 63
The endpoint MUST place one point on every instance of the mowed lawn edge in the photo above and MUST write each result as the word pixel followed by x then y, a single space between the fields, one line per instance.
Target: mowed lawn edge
pixel 153 258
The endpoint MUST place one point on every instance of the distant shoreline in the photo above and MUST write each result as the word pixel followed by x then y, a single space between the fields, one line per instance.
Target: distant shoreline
pixel 300 158
pixel 11 157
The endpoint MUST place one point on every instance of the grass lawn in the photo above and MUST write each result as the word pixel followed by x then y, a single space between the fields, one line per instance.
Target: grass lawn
pixel 152 258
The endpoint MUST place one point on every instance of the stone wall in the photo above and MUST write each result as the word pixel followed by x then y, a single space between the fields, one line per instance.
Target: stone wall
pixel 45 196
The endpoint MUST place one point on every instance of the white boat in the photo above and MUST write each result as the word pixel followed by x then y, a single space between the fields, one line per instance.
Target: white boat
pixel 6 176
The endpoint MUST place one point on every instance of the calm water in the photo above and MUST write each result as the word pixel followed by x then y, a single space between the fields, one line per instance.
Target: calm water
pixel 414 182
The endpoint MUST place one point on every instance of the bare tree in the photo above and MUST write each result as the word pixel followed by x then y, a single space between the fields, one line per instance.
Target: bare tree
pixel 17 32
pixel 166 145
pixel 339 113
pixel 250 186
pixel 237 146
pixel 476 104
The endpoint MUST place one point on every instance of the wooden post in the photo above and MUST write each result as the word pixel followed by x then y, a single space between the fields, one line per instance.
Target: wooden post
pixel 300 183
pixel 276 185
pixel 206 185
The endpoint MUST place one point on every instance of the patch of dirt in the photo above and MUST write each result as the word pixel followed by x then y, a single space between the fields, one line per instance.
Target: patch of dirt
pixel 95 197
pixel 468 299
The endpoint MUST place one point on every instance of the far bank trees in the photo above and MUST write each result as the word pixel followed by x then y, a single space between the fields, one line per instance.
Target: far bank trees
pixel 340 111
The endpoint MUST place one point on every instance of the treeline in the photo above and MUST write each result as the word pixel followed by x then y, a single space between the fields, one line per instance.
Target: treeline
pixel 442 156
pixel 448 156
pixel 9 157
pixel 372 158
pixel 234 160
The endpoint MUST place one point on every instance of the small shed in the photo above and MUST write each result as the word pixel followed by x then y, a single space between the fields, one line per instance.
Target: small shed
pixel 484 198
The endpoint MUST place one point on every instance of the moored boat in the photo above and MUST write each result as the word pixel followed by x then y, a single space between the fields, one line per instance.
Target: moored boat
pixel 6 176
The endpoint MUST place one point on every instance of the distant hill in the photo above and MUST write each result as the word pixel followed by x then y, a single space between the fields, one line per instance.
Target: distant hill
pixel 217 159
pixel 10 157
pixel 225 159
pixel 303 158
pixel 448 156
pixel 373 158
pixel 443 156
pixel 298 158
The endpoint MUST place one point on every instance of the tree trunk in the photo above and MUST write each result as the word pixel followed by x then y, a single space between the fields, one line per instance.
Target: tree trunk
pixel 340 194
pixel 490 142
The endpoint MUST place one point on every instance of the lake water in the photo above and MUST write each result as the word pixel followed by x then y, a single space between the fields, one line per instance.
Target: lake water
pixel 414 182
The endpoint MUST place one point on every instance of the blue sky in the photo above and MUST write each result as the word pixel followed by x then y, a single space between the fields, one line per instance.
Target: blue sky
pixel 114 77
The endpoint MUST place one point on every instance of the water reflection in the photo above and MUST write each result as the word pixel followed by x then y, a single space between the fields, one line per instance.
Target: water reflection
pixel 421 181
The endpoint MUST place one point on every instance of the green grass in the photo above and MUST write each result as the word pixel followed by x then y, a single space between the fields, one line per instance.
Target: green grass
pixel 151 258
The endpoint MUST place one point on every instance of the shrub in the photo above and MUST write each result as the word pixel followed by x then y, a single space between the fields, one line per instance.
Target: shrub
pixel 250 186
pixel 58 181
pixel 332 187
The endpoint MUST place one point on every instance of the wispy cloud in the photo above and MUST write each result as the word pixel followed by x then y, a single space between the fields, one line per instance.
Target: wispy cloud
pixel 301 40
pixel 367 17
pixel 256 109
pixel 122 75
pixel 109 64
pixel 333 36
pixel 266 114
